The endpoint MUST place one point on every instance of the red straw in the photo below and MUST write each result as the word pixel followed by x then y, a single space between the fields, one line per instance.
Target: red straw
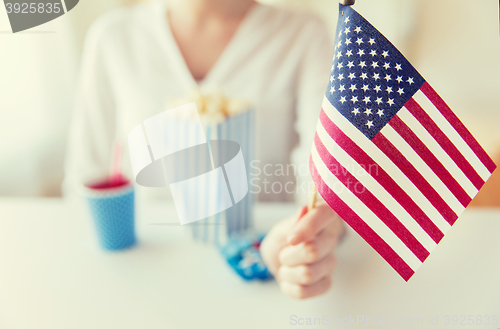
pixel 116 170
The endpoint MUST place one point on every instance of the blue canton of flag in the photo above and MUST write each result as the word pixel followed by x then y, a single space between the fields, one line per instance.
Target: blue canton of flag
pixel 370 79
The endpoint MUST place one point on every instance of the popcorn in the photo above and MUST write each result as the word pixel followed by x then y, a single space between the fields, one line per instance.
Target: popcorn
pixel 213 107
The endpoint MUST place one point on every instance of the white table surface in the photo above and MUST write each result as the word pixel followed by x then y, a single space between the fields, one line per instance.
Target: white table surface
pixel 53 275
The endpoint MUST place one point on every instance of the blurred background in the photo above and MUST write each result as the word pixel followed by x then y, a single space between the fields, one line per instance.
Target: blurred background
pixel 455 45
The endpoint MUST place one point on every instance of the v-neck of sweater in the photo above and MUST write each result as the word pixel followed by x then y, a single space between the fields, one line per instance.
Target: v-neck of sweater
pixel 222 66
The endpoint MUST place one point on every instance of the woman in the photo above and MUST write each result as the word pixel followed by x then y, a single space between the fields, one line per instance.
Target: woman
pixel 138 58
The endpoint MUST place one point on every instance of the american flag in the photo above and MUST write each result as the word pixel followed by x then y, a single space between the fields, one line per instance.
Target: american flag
pixel 389 156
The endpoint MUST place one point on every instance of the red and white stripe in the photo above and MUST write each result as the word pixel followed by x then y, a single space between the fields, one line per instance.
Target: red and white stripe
pixel 404 189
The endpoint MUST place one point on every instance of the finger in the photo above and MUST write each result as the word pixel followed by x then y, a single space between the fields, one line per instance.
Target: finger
pixel 308 274
pixel 301 292
pixel 311 224
pixel 275 240
pixel 309 252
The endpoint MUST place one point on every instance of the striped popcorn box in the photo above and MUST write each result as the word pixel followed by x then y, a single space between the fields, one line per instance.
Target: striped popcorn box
pixel 202 153
pixel 215 229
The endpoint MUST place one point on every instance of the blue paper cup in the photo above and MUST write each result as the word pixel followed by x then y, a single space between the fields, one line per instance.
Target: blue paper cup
pixel 112 207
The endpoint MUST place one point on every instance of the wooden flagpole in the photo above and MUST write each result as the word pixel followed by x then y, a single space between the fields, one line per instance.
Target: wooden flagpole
pixel 312 198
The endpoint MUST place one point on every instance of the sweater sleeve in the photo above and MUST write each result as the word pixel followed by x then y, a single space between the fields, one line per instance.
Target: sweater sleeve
pixel 92 130
pixel 313 77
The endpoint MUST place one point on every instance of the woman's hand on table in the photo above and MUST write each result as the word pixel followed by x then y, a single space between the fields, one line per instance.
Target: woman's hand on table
pixel 299 251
